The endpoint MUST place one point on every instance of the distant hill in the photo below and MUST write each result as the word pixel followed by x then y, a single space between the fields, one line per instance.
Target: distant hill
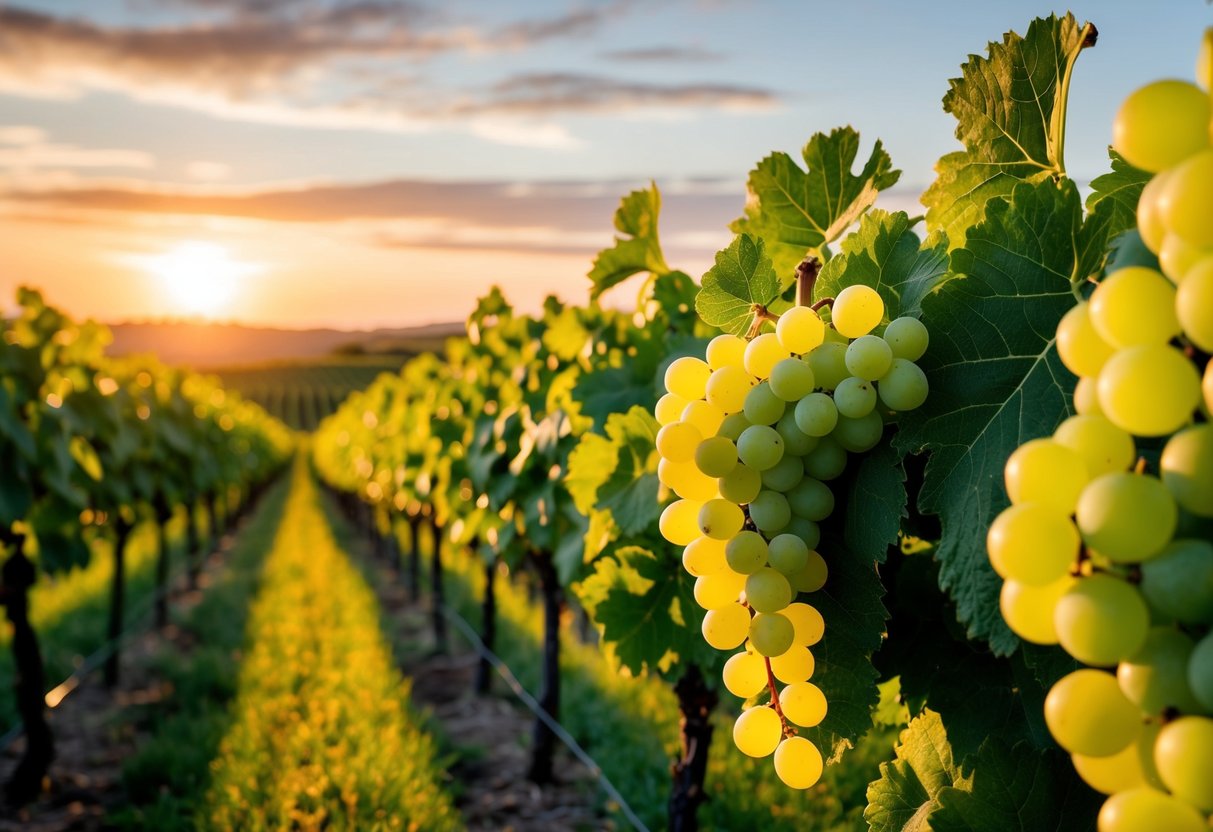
pixel 206 345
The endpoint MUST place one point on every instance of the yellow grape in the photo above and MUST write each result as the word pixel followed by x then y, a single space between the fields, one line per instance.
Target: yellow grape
pixel 705 416
pixel 725 351
pixel 745 675
pixel 1028 610
pixel 804 704
pixel 1161 124
pixel 807 624
pixel 1149 390
pixel 718 590
pixel 669 408
pixel 813 576
pixel 1104 447
pixel 686 480
pixel 1187 200
pixel 1048 472
pixel 679 522
pixel 677 442
pixel 1149 213
pixel 1116 773
pixel 1101 620
pixel 1079 344
pixel 763 353
pixel 757 731
pixel 1194 304
pixel 857 310
pixel 1184 754
pixel 1032 543
pixel 720 519
pixel 1206 386
pixel 798 763
pixel 1176 258
pixel 1087 714
pixel 800 329
pixel 1134 306
pixel 726 627
pixel 728 387
pixel 771 633
pixel 796 665
pixel 1127 517
pixel 704 556
pixel 1146 810
pixel 1086 396
pixel 687 377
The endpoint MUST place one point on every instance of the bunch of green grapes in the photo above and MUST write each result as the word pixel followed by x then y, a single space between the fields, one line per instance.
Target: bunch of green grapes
pixel 750 439
pixel 1110 561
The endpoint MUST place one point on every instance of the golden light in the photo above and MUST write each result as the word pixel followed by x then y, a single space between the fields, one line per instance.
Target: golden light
pixel 201 278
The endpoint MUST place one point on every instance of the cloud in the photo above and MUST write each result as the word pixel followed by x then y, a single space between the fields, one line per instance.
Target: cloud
pixel 203 170
pixel 664 54
pixel 25 149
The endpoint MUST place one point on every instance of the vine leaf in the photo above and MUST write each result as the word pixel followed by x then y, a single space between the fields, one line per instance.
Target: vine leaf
pixel 742 278
pixel 1113 206
pixel 887 255
pixel 996 379
pixel 798 211
pixel 618 473
pixel 904 797
pixel 878 496
pixel 639 250
pixel 1011 110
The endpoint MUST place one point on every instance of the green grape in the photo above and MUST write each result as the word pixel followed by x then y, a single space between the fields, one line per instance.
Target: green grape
pixel 907 337
pixel 827 461
pixel 713 592
pixel 741 485
pixel 763 353
pixel 813 576
pixel 768 590
pixel 795 441
pixel 1175 259
pixel 816 415
pixel 745 675
pixel 669 408
pixel 728 387
pixel 746 553
pixel 806 530
pixel 760 447
pixel 1086 397
pixel 798 763
pixel 705 416
pixel 720 519
pixel 1184 754
pixel 726 351
pixel 1156 676
pixel 1029 610
pixel 727 627
pixel 1187 200
pixel 679 522
pixel 762 406
pixel 1194 304
pixel 687 377
pixel 770 511
pixel 811 499
pixel 1100 621
pixel 757 731
pixel 1146 810
pixel 785 474
pixel 1087 714
pixel 794 666
pixel 677 442
pixel 1046 471
pixel 704 556
pixel 733 426
pixel 716 457
pixel 903 387
pixel 1149 213
pixel 807 624
pixel 1134 306
pixel 1161 124
pixel 1081 348
pixel 1115 773
pixel 1149 390
pixel 1187 469
pixel 1104 447
pixel 856 311
pixel 804 704
pixel 1033 544
pixel 858 435
pixel 1200 672
pixel 869 357
pixel 855 397
pixel 792 379
pixel 800 329
pixel 829 364
pixel 1126 517
pixel 1178 584
pixel 771 634
pixel 788 554
pixel 686 480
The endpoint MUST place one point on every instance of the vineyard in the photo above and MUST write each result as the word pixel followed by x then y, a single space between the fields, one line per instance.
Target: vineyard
pixel 884 522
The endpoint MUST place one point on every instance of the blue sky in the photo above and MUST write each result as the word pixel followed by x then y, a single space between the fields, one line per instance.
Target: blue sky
pixel 184 97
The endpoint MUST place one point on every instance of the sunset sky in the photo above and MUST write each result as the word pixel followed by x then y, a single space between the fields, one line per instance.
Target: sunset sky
pixel 359 163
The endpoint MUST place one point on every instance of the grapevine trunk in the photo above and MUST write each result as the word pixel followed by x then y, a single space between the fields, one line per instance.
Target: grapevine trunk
pixel 544 745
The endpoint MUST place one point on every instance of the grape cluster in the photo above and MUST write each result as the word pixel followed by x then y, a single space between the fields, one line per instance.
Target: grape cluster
pixel 1101 556
pixel 749 440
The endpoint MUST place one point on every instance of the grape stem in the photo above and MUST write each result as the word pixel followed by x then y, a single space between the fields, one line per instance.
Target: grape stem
pixel 788 730
pixel 823 302
pixel 806 279
pixel 761 315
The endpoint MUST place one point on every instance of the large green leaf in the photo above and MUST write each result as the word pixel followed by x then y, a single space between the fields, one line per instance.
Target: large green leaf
pixel 798 211
pixel 618 473
pixel 742 280
pixel 1011 110
pixel 639 250
pixel 876 502
pixel 904 797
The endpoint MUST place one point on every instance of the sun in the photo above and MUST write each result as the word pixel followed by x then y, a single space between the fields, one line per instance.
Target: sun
pixel 201 278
